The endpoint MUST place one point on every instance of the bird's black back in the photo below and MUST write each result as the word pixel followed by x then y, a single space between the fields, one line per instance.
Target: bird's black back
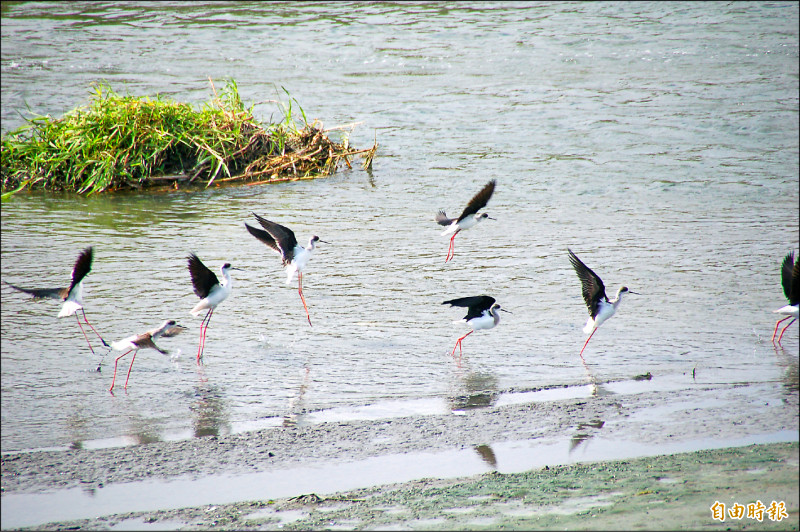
pixel 476 305
pixel 282 236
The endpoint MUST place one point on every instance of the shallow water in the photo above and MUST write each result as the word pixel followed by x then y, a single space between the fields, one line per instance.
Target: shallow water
pixel 659 141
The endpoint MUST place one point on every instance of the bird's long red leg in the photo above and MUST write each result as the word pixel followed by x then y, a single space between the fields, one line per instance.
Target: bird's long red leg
pixel 95 331
pixel 587 342
pixel 115 369
pixel 90 343
pixel 458 344
pixel 130 368
pixel 203 330
pixel 784 330
pixel 451 250
pixel 776 327
pixel 303 299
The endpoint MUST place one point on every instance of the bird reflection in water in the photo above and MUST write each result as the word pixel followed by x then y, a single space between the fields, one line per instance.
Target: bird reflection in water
pixel 210 414
pixel 296 403
pixel 478 390
pixel 584 432
pixel 487 455
pixel 788 362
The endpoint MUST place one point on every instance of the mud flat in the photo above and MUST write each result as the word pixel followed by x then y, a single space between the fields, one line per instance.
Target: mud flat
pixel 505 471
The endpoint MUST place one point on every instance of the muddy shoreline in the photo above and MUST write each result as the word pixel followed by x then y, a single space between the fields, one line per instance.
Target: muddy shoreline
pixel 656 493
pixel 626 417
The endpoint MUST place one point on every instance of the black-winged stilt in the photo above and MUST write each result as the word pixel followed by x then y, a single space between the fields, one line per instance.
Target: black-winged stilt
pixel 469 218
pixel 481 314
pixel 143 341
pixel 294 257
pixel 790 280
pixel 72 296
pixel 211 292
pixel 594 294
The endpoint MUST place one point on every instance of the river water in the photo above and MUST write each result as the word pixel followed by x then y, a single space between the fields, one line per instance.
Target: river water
pixel 659 141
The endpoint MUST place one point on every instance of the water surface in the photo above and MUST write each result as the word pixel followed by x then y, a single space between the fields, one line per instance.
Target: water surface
pixel 659 141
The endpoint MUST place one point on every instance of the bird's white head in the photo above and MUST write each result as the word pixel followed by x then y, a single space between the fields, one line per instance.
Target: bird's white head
pixel 494 313
pixel 624 290
pixel 312 242
pixel 226 272
pixel 484 216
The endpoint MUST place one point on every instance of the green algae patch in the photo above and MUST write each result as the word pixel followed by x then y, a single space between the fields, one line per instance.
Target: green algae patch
pixel 126 142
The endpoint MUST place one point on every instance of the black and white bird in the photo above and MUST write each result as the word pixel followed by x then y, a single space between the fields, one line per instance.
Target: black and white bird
pixel 594 294
pixel 145 340
pixel 211 292
pixel 790 280
pixel 71 296
pixel 294 257
pixel 469 217
pixel 482 313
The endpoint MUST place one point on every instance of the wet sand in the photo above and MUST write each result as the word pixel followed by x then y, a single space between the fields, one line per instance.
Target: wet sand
pixel 645 492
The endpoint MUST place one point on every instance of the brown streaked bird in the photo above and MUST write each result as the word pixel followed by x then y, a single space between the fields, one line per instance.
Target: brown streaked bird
pixel 143 341
pixel 469 217
pixel 293 256
pixel 790 280
pixel 594 294
pixel 71 296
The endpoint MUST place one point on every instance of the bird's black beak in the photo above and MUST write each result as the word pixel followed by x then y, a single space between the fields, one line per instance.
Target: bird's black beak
pixel 323 241
pixel 634 293
pixel 504 310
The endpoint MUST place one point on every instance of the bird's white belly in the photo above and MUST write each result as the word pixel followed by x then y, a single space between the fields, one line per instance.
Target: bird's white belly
pixel 69 308
pixel 484 322
pixel 789 310
pixel 218 294
pixel 126 343
pixel 605 311
pixel 452 228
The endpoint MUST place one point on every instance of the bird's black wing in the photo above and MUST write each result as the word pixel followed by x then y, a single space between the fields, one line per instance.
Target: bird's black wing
pixel 83 265
pixel 283 236
pixel 790 274
pixel 203 279
pixel 263 236
pixel 442 219
pixel 42 293
pixel 479 200
pixel 591 285
pixel 476 305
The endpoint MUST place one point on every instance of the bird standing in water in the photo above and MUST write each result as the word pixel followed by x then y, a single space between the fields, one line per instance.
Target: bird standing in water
pixel 72 296
pixel 211 290
pixel 790 280
pixel 481 314
pixel 293 256
pixel 594 294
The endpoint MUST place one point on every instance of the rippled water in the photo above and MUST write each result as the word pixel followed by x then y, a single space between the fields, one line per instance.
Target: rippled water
pixel 659 141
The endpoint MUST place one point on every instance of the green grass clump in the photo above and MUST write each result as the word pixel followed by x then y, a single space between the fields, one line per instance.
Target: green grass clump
pixel 121 142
